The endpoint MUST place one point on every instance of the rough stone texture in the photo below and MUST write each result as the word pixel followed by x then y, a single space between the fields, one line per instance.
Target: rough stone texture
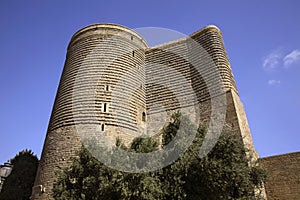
pixel 242 123
pixel 114 85
pixel 60 145
pixel 283 176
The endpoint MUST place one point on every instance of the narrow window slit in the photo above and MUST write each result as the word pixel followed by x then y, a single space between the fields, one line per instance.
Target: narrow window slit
pixel 104 107
pixel 144 117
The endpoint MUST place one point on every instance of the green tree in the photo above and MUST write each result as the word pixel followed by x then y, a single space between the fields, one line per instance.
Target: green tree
pixel 225 173
pixel 87 178
pixel 19 183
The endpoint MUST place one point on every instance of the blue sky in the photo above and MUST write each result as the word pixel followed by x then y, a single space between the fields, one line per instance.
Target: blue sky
pixel 261 38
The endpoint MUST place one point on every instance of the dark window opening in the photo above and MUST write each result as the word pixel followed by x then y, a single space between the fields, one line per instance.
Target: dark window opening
pixel 144 117
pixel 132 53
pixel 102 127
pixel 104 107
pixel 131 37
pixel 106 87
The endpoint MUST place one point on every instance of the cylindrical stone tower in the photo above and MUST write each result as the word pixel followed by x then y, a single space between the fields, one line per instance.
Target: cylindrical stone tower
pixel 111 79
pixel 101 91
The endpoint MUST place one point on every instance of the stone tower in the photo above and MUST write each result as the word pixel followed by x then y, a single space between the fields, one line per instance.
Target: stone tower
pixel 113 84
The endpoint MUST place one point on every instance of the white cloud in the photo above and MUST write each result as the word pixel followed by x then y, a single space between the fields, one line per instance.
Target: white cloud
pixel 291 58
pixel 273 82
pixel 271 61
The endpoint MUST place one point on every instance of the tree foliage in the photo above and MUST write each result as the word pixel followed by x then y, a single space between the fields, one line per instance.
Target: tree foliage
pixel 19 183
pixel 225 173
pixel 87 178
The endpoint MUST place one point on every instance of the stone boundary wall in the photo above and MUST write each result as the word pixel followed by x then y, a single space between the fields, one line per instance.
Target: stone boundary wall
pixel 283 176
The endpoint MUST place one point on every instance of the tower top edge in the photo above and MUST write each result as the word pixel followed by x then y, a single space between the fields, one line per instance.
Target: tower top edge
pixel 136 34
pixel 206 28
pixel 198 32
pixel 108 26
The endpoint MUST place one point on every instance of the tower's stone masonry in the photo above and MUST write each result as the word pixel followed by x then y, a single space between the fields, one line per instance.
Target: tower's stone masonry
pixel 114 84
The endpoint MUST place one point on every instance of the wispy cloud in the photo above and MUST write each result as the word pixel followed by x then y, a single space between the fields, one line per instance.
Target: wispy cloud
pixel 271 61
pixel 274 82
pixel 291 58
pixel 277 58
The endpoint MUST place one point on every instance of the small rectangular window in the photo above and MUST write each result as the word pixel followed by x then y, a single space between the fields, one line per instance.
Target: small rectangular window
pixel 102 127
pixel 104 107
pixel 143 116
pixel 132 53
